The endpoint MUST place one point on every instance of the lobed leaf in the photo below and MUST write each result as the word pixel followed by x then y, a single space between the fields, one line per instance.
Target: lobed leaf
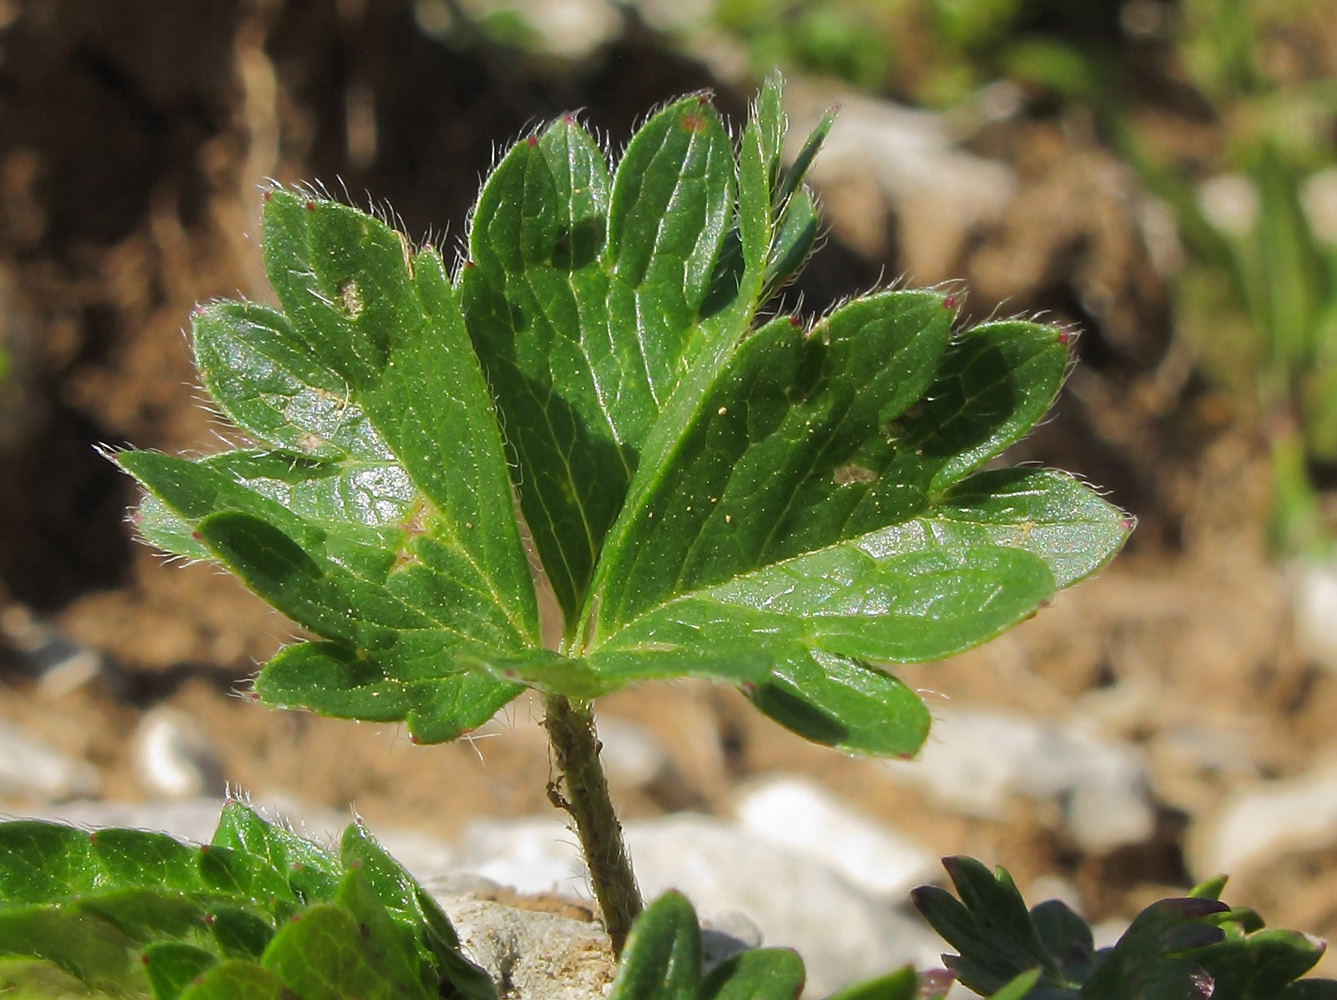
pixel 784 507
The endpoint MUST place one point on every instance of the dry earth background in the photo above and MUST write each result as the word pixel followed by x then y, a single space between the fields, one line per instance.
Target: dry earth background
pixel 133 137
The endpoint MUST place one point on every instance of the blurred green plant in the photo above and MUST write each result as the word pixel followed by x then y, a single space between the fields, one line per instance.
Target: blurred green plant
pixel 1259 294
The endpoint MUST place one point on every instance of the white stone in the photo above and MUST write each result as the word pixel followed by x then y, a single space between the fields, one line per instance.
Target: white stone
pixel 977 760
pixel 533 856
pixel 1261 823
pixel 1318 196
pixel 32 769
pixel 1313 589
pixel 632 757
pixel 798 814
pixel 1230 203
pixel 173 757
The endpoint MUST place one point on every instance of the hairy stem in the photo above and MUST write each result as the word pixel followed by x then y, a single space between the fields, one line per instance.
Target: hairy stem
pixel 582 791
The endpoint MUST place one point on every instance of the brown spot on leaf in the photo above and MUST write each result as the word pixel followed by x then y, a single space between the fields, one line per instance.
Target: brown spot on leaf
pixel 847 474
pixel 351 299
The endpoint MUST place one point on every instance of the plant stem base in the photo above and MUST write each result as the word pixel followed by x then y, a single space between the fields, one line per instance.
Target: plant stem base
pixel 582 791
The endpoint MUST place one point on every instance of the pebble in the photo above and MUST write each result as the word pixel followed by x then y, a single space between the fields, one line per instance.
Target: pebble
pixel 799 814
pixel 632 756
pixel 1313 592
pixel 59 665
pixel 1261 823
pixel 173 757
pixel 977 760
pixel 33 770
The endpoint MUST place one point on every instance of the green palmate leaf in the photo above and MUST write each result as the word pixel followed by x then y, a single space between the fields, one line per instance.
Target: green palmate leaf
pixel 784 506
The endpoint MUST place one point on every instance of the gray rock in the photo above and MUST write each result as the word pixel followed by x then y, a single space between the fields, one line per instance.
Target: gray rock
pixel 977 760
pixel 795 900
pixel 534 856
pixel 36 771
pixel 724 935
pixel 532 955
pixel 798 814
pixel 58 664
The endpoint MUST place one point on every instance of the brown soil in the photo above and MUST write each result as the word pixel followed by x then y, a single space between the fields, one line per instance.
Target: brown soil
pixel 131 146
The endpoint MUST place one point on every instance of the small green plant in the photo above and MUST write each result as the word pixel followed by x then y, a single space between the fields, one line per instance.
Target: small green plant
pixel 591 408
pixel 703 491
pixel 778 505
